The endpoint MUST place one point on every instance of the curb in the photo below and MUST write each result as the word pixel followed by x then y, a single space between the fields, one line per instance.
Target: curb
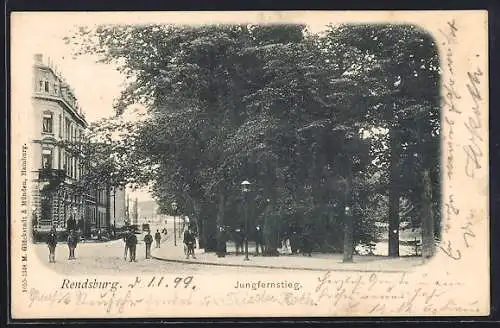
pixel 273 267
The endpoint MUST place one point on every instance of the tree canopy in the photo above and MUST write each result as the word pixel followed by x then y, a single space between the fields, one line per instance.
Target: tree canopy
pixel 317 122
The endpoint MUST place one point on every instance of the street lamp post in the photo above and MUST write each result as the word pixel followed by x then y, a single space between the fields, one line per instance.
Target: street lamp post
pixel 245 187
pixel 174 208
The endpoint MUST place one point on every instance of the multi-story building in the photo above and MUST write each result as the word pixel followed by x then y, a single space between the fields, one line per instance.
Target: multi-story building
pixel 59 122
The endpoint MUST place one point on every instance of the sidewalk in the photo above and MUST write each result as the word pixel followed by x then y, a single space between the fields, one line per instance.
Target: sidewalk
pixel 318 261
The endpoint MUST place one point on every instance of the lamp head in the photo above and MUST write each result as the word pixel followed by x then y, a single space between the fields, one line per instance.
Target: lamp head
pixel 245 186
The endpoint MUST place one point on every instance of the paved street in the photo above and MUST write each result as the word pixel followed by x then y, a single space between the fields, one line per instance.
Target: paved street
pixel 107 258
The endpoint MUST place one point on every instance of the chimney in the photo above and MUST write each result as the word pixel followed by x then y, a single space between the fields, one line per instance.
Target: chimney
pixel 38 58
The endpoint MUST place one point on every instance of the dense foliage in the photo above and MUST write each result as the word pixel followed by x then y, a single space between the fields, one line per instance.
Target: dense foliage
pixel 317 124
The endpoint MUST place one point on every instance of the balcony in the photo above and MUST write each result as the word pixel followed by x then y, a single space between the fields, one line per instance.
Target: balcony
pixel 52 177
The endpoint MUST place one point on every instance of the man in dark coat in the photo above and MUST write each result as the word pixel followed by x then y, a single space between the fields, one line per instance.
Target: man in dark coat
pixel 148 240
pixel 132 243
pixel 221 241
pixel 157 238
pixel 189 241
pixel 52 242
pixel 125 240
pixel 72 242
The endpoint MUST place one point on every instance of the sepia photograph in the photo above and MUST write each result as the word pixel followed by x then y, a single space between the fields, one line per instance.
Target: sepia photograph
pixel 249 164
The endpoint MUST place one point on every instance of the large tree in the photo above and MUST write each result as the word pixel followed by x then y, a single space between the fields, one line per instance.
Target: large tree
pixel 283 108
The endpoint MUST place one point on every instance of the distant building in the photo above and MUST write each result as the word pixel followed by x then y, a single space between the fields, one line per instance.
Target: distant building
pixel 149 211
pixel 58 118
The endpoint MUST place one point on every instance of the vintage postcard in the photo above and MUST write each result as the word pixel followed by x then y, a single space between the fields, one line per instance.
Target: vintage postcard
pixel 249 164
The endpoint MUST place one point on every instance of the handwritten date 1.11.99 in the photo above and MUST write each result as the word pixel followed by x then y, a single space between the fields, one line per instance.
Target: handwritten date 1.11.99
pixel 163 282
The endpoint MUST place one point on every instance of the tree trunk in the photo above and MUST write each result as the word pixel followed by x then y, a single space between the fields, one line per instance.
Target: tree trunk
pixel 209 227
pixel 220 222
pixel 427 217
pixel 348 221
pixel 270 236
pixel 220 210
pixel 199 223
pixel 393 195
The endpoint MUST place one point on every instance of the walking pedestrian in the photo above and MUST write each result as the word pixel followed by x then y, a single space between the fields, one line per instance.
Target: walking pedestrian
pixel 157 238
pixel 148 240
pixel 132 245
pixel 52 242
pixel 72 242
pixel 189 241
pixel 125 240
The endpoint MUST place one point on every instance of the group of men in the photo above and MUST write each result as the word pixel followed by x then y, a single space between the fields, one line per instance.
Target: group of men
pixel 130 239
pixel 71 240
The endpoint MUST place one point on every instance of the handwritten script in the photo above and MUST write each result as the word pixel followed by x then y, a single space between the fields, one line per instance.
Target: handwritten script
pixel 454 113
pixel 379 294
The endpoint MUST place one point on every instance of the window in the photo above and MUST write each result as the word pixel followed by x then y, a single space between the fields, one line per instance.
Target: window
pixel 67 127
pixel 56 89
pixel 47 123
pixel 60 125
pixel 66 163
pixel 46 158
pixel 40 86
pixel 47 86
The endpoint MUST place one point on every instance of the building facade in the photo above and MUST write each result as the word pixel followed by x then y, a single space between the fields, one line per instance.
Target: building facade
pixel 60 122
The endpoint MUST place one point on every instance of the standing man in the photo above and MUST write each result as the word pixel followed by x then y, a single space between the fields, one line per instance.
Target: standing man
pixel 72 242
pixel 189 241
pixel 157 238
pixel 125 240
pixel 221 242
pixel 52 242
pixel 132 244
pixel 148 240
